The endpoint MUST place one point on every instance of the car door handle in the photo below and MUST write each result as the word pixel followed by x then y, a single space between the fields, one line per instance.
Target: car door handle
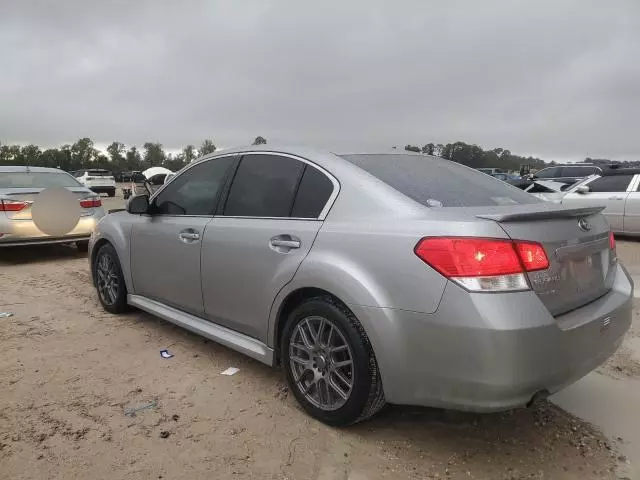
pixel 189 236
pixel 616 198
pixel 285 243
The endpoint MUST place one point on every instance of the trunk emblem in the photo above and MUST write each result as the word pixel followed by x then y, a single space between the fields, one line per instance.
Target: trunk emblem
pixel 584 225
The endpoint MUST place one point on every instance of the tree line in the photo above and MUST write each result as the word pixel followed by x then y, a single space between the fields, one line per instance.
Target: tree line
pixel 474 156
pixel 118 158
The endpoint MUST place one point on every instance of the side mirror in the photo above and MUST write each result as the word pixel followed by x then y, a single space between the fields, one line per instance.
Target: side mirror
pixel 138 205
pixel 582 189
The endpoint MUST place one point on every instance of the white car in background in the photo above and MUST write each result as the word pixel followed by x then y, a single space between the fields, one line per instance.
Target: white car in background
pixel 97 180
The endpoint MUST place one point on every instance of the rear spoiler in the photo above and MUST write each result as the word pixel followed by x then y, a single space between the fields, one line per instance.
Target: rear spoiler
pixel 541 215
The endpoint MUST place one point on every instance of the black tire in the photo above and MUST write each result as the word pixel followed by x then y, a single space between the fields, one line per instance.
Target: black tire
pixel 367 395
pixel 117 304
pixel 83 246
pixel 112 193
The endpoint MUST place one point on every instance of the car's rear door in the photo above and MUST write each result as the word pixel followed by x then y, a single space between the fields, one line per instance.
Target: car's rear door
pixel 608 191
pixel 270 219
pixel 632 208
pixel 166 244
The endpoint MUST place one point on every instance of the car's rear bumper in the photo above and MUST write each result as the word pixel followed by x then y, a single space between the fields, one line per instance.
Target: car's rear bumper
pixel 24 232
pixel 491 352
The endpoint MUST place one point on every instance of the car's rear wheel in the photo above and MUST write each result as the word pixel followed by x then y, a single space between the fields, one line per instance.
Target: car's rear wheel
pixel 109 281
pixel 83 246
pixel 329 363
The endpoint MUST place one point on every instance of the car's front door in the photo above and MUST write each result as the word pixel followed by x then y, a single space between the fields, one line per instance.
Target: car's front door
pixel 266 227
pixel 609 191
pixel 166 243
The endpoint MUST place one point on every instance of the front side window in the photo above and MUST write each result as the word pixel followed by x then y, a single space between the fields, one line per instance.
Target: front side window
pixel 264 186
pixel 196 191
pixel 613 183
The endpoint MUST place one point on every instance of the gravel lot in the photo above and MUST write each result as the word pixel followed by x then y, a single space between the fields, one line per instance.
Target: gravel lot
pixel 69 371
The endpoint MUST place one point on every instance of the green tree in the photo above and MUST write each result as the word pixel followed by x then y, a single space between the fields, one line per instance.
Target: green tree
pixel 189 153
pixel 133 159
pixel 153 155
pixel 412 148
pixel 260 141
pixel 429 148
pixel 206 148
pixel 83 153
pixel 116 151
pixel 30 155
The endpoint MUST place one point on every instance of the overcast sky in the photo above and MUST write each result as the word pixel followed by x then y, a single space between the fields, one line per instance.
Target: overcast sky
pixel 554 78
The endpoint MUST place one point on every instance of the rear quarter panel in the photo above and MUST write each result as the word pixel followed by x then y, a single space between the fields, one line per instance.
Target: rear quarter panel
pixel 373 264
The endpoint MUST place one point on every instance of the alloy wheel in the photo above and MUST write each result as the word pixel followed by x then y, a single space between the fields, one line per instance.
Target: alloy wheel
pixel 107 279
pixel 321 362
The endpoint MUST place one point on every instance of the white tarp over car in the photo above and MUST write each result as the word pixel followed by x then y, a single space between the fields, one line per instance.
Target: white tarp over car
pixel 153 171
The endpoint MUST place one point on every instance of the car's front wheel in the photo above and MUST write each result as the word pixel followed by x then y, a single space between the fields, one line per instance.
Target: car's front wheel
pixel 329 363
pixel 109 280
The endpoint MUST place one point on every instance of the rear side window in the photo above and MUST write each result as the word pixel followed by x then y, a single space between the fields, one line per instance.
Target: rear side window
pixel 613 183
pixel 195 191
pixel 578 171
pixel 553 172
pixel 313 194
pixel 264 186
pixel 438 182
pixel 37 180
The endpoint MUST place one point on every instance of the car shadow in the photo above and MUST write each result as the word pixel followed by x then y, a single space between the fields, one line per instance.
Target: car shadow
pixel 39 254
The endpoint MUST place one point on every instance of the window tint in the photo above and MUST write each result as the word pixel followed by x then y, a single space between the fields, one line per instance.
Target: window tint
pixel 313 194
pixel 613 183
pixel 552 172
pixel 194 192
pixel 577 171
pixel 264 186
pixel 438 182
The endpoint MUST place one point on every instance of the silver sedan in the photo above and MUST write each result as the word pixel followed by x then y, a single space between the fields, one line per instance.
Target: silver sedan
pixel 19 189
pixel 372 278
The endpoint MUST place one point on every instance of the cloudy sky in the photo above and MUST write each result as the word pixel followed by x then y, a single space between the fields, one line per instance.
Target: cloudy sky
pixel 555 78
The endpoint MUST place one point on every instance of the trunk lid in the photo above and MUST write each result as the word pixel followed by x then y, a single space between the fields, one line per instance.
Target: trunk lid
pixel 576 241
pixel 28 195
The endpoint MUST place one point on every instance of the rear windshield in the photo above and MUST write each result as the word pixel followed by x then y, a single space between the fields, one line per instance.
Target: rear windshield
pixel 98 173
pixel 36 180
pixel 436 182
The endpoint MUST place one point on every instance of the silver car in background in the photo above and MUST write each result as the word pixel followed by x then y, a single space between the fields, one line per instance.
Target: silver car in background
pixel 20 186
pixel 372 278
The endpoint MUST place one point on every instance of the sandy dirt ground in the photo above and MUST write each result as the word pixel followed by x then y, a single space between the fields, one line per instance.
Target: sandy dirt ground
pixel 69 371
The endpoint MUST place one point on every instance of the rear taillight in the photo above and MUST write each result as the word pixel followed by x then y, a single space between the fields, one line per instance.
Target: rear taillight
pixel 12 205
pixel 612 241
pixel 483 264
pixel 91 203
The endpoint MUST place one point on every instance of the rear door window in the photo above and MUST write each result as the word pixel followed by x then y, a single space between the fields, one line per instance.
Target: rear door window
pixel 264 186
pixel 313 194
pixel 613 183
pixel 438 182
